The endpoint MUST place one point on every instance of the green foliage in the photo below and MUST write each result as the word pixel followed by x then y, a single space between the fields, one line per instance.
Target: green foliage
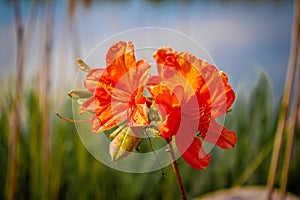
pixel 75 174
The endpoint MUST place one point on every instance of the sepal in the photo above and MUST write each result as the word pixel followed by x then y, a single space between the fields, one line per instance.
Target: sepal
pixel 80 96
pixel 125 140
pixel 83 66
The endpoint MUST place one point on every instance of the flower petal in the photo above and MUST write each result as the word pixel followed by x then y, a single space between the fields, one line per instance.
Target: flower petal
pixel 164 97
pixel 168 58
pixel 120 59
pixel 88 105
pixel 130 91
pixel 195 156
pixel 92 79
pixel 168 106
pixel 210 83
pixel 230 96
pixel 108 117
pixel 138 109
pixel 215 90
pixel 217 134
pixel 171 124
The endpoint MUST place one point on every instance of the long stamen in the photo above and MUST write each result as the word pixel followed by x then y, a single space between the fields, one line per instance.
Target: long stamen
pixel 156 157
pixel 72 120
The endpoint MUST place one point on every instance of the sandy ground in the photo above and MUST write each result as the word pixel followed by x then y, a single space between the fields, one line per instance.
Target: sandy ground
pixel 244 193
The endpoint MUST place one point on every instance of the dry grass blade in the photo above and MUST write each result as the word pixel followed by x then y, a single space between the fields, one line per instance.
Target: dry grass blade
pixel 285 102
pixel 46 97
pixel 15 123
pixel 294 115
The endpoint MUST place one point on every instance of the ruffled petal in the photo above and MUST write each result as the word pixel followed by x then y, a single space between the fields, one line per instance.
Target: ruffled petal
pixel 108 117
pixel 164 97
pixel 194 155
pixel 215 90
pixel 167 58
pixel 190 146
pixel 134 79
pixel 205 79
pixel 118 90
pixel 120 59
pixel 217 134
pixel 139 75
pixel 103 120
pixel 171 124
pixel 137 115
pixel 230 96
pixel 130 91
pixel 89 105
pixel 92 79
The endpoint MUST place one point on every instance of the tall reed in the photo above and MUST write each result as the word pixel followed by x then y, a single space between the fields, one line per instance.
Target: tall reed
pixel 290 77
pixel 291 129
pixel 15 123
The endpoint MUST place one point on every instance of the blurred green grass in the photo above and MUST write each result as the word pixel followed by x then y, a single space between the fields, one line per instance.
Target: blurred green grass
pixel 75 174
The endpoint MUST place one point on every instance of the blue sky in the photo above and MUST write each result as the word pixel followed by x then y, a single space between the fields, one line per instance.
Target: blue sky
pixel 242 37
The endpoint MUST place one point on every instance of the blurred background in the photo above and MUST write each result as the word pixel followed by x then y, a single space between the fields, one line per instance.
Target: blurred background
pixel 43 157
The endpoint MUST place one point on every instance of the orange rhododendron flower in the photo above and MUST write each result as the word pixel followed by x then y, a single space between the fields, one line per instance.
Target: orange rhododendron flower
pixel 187 96
pixel 118 90
pixel 190 94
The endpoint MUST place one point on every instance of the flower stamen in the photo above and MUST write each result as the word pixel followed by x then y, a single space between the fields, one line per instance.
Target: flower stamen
pixel 73 120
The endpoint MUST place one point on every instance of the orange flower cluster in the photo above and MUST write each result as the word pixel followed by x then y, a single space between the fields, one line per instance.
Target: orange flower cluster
pixel 188 95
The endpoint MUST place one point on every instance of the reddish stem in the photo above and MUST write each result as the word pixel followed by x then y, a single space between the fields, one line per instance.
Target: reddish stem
pixel 176 170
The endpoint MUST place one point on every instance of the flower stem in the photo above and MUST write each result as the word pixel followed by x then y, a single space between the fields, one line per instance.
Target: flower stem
pixel 176 170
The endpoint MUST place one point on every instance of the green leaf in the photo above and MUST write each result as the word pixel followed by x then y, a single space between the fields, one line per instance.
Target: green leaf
pixel 124 142
pixel 80 95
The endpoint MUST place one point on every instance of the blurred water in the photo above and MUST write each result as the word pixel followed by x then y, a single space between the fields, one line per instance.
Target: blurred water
pixel 240 36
